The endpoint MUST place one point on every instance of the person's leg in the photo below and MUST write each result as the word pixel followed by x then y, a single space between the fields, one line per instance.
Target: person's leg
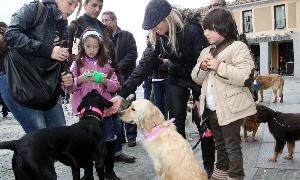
pixel 165 92
pixel 29 119
pixel 55 116
pixel 4 107
pixel 222 164
pixel 207 142
pixel 118 127
pixel 177 102
pixel 145 89
pixel 232 137
pixel 158 89
pixel 131 133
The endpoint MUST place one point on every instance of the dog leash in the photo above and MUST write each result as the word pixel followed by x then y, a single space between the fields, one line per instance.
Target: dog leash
pixel 283 125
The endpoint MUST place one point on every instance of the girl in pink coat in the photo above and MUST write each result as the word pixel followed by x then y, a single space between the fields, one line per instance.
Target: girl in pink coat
pixel 92 70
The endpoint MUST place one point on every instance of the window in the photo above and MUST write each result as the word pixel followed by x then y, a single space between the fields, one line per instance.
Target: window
pixel 247 21
pixel 279 16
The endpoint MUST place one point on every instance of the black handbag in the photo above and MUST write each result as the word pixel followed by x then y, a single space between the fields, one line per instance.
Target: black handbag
pixel 30 84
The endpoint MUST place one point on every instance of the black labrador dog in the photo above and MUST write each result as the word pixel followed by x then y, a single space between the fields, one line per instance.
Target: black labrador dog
pixel 285 128
pixel 77 146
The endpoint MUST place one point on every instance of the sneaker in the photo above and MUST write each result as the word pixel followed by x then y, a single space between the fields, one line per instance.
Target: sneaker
pixel 111 175
pixel 4 113
pixel 124 158
pixel 131 142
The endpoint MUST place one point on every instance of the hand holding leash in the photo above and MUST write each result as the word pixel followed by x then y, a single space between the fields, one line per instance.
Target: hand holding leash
pixel 67 78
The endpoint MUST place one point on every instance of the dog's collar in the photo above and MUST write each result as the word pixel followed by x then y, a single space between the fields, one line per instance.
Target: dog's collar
pixel 93 109
pixel 155 130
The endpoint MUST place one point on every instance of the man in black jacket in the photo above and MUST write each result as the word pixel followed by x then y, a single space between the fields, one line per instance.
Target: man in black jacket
pixel 126 55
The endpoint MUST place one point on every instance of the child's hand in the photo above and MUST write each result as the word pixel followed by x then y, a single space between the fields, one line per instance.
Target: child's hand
pixel 104 80
pixel 84 79
pixel 203 65
pixel 212 63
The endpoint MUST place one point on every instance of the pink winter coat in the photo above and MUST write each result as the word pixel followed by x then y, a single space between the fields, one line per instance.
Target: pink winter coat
pixel 80 90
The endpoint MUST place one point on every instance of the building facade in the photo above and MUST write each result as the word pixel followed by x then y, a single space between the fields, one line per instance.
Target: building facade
pixel 272 28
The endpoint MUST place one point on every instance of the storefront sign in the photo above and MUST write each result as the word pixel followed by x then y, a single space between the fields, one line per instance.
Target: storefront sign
pixel 269 38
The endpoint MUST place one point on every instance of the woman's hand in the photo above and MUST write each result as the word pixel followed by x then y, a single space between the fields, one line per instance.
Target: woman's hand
pixel 67 79
pixel 59 53
pixel 117 100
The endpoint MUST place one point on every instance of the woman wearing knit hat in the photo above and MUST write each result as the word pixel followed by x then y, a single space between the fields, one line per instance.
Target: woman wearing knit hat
pixel 175 39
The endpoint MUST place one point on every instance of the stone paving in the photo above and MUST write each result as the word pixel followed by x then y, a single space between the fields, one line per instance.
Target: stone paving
pixel 255 153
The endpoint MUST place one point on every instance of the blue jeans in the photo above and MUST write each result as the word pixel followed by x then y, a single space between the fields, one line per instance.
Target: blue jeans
pixel 31 119
pixel 159 89
pixel 108 128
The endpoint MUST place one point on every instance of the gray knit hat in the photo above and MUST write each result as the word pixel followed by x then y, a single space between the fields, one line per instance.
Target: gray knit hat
pixel 155 12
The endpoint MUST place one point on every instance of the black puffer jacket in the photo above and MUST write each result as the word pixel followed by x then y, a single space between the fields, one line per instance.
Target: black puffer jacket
pixel 36 43
pixel 126 51
pixel 190 43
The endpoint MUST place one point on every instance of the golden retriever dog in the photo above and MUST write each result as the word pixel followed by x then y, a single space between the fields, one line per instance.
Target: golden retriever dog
pixel 275 81
pixel 171 154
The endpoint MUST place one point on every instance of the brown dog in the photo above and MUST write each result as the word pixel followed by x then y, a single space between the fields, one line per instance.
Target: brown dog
pixel 172 155
pixel 285 128
pixel 250 124
pixel 275 81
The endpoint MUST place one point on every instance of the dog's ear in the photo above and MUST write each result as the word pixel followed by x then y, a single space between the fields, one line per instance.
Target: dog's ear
pixel 103 102
pixel 83 104
pixel 146 122
pixel 150 118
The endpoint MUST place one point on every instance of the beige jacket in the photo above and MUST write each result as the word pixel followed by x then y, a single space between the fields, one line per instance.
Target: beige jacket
pixel 233 101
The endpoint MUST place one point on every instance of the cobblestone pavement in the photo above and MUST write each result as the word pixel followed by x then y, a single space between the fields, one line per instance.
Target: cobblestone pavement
pixel 255 153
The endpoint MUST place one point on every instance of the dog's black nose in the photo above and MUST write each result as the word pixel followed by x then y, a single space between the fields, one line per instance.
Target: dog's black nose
pixel 120 113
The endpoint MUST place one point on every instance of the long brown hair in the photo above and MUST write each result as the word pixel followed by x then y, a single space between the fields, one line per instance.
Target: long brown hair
pixel 102 57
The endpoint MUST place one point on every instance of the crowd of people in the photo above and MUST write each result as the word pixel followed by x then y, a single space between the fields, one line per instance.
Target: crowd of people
pixel 183 57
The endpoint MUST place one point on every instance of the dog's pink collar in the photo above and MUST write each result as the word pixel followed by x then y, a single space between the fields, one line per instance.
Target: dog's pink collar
pixel 91 108
pixel 155 130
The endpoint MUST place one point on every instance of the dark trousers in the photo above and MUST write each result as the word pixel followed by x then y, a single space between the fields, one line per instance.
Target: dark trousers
pixel 159 89
pixel 177 102
pixel 228 145
pixel 207 143
pixel 131 131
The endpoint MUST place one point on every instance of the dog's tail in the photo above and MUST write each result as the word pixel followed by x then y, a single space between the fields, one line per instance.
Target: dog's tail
pixel 8 145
